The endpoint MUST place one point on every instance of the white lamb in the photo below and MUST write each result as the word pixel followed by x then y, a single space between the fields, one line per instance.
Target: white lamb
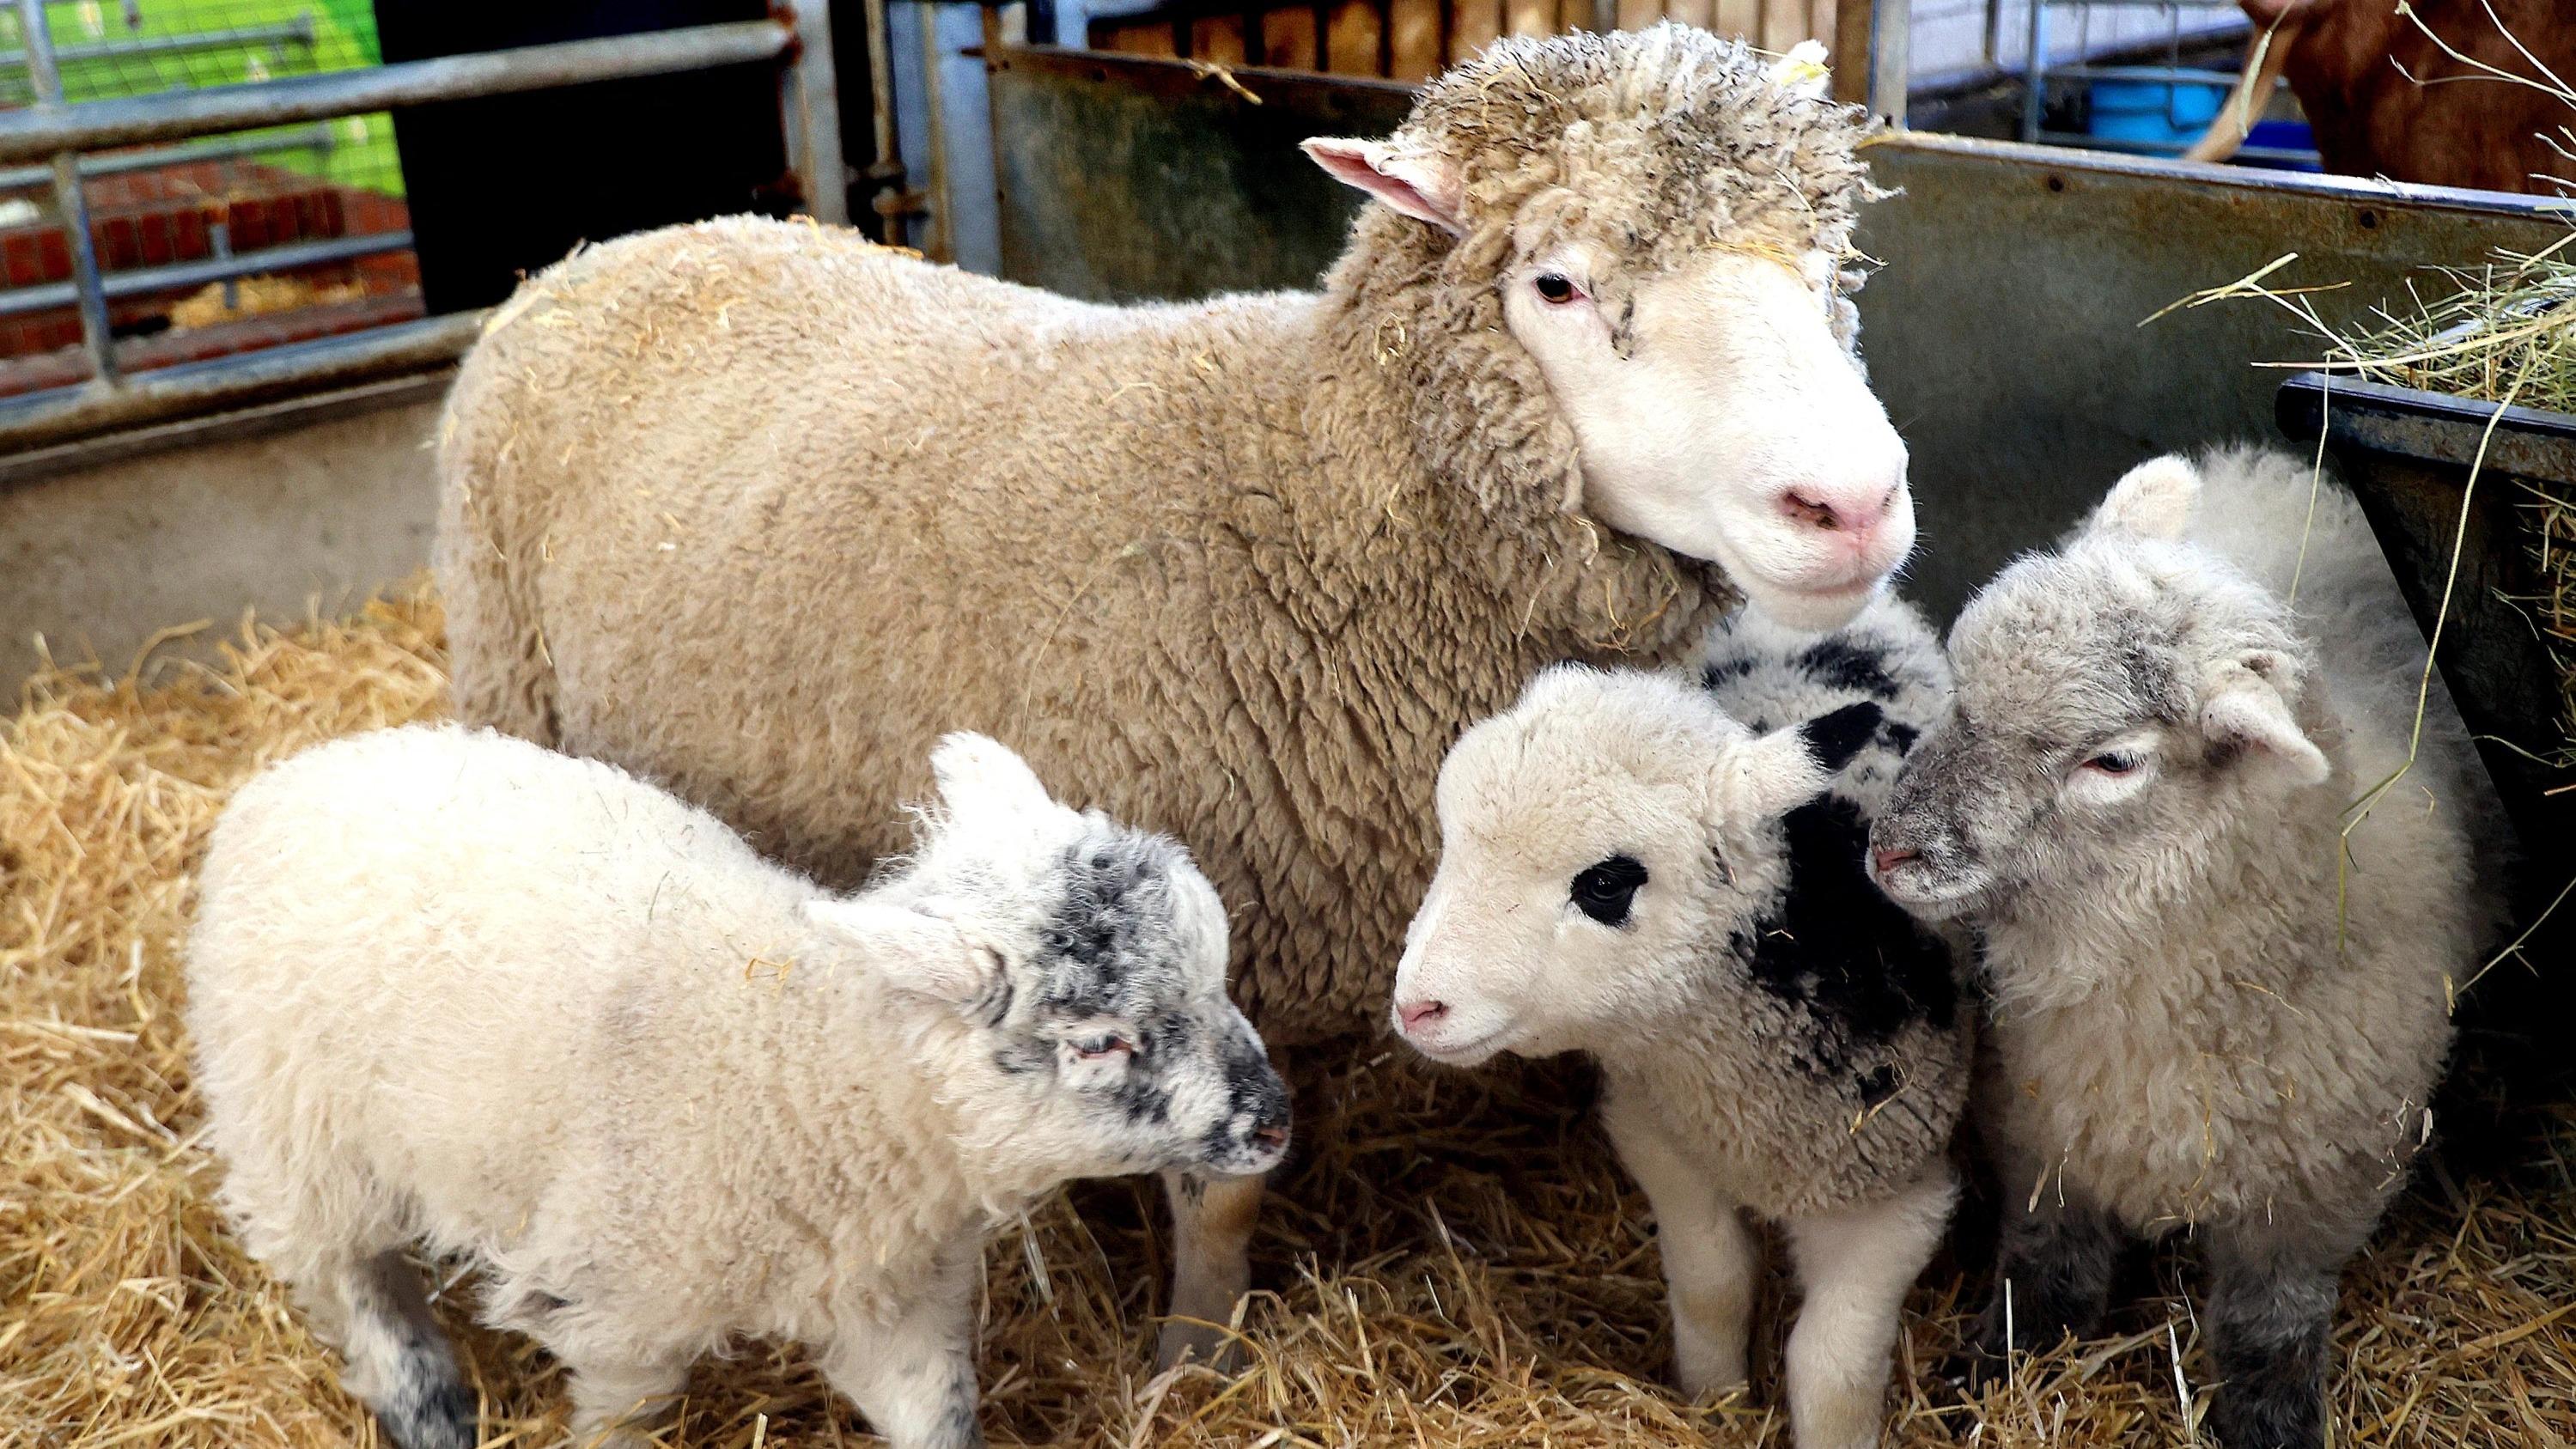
pixel 450 988
pixel 1627 868
pixel 2214 1009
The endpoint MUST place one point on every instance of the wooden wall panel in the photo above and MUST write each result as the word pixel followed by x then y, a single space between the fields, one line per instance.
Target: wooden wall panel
pixel 1415 39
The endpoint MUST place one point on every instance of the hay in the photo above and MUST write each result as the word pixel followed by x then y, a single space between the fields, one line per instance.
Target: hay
pixel 1452 1262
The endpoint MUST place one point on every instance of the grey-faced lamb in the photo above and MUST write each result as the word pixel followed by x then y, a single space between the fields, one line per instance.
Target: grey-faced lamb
pixel 2213 1008
pixel 1673 879
pixel 451 989
pixel 761 510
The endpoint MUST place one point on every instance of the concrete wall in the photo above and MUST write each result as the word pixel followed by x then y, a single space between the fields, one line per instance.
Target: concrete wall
pixel 96 561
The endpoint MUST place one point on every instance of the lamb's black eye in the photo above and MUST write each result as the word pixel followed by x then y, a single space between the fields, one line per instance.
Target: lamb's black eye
pixel 1556 288
pixel 2113 762
pixel 1101 1047
pixel 1605 891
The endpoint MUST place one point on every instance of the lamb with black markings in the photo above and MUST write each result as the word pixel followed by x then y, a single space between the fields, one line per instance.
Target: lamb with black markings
pixel 454 990
pixel 1673 879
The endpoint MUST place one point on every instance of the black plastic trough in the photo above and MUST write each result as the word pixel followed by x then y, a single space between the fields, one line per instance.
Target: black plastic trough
pixel 2408 455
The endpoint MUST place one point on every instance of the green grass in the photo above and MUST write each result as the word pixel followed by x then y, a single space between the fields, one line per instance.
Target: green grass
pixel 361 152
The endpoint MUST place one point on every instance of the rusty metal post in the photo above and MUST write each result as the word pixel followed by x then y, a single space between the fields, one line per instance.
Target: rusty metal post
pixel 809 95
pixel 69 199
pixel 1851 51
pixel 885 173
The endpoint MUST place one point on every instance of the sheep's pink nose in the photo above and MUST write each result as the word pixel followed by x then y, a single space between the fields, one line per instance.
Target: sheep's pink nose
pixel 1416 1013
pixel 1887 860
pixel 1855 510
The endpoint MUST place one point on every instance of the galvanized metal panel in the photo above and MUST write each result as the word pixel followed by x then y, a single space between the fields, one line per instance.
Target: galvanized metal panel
pixel 2003 332
pixel 1124 178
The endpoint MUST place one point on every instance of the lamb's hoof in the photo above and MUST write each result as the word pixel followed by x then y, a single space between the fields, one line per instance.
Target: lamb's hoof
pixel 1189 1341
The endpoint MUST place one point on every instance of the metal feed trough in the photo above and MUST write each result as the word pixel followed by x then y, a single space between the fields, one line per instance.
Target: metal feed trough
pixel 796 37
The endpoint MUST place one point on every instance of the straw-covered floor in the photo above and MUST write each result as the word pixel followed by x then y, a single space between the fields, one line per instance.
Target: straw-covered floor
pixel 1451 1261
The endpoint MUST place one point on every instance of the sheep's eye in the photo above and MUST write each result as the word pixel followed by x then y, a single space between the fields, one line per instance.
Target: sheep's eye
pixel 2113 762
pixel 1605 891
pixel 1101 1048
pixel 1556 288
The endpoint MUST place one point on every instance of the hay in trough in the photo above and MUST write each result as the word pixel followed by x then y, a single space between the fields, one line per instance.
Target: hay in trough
pixel 1451 1261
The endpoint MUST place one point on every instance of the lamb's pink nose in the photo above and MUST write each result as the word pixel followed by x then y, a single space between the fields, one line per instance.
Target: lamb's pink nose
pixel 1415 1014
pixel 1887 860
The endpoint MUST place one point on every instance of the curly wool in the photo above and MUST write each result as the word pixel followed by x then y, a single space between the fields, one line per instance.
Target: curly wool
pixel 1235 570
pixel 1652 144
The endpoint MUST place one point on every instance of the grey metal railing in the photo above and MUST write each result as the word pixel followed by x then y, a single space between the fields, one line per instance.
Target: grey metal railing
pixel 797 35
pixel 298 31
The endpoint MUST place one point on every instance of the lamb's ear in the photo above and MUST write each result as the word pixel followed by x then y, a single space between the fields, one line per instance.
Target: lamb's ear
pixel 1802 71
pixel 1423 186
pixel 914 950
pixel 1776 773
pixel 2152 500
pixel 980 779
pixel 2242 707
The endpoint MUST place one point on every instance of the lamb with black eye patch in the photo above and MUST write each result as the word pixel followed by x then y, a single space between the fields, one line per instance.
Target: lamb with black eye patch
pixel 1673 878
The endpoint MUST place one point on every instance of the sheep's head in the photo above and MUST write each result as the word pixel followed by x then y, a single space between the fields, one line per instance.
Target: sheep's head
pixel 1093 957
pixel 2120 704
pixel 1601 842
pixel 1661 221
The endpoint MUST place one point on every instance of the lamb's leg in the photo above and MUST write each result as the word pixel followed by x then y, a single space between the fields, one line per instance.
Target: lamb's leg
pixel 1212 1223
pixel 616 1400
pixel 915 1377
pixel 2271 1320
pixel 1709 1256
pixel 2053 1270
pixel 1856 1266
pixel 398 1361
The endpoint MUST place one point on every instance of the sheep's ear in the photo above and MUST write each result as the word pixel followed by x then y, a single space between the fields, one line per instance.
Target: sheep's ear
pixel 2152 500
pixel 1778 772
pixel 1420 185
pixel 2243 708
pixel 914 950
pixel 1802 72
pixel 980 779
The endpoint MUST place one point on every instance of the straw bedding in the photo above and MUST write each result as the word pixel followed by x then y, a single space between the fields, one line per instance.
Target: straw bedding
pixel 1452 1261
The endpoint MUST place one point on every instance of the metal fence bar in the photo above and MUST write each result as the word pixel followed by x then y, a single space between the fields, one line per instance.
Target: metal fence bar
pixel 15 301
pixel 298 31
pixel 319 138
pixel 62 414
pixel 50 126
pixel 809 97
pixel 69 199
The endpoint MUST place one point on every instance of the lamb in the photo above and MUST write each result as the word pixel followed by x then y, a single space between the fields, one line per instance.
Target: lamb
pixel 1236 569
pixel 2202 1020
pixel 450 988
pixel 1673 879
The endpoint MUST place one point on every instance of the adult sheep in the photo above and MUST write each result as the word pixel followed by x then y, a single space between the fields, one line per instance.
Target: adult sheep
pixel 761 511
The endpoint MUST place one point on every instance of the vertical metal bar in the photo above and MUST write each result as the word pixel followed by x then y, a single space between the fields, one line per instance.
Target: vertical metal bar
pixel 885 171
pixel 941 244
pixel 1605 16
pixel 69 199
pixel 2034 69
pixel 1891 60
pixel 810 104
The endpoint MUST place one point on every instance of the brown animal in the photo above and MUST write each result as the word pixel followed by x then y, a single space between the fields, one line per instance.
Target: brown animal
pixel 2385 99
